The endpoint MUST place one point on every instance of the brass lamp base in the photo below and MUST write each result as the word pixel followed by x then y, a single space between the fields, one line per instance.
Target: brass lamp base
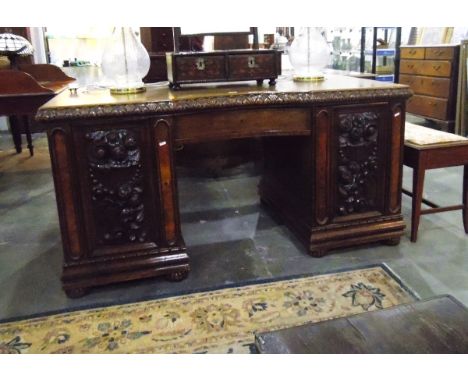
pixel 140 89
pixel 314 78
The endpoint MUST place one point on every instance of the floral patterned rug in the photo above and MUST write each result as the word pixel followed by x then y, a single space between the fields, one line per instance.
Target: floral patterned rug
pixel 220 321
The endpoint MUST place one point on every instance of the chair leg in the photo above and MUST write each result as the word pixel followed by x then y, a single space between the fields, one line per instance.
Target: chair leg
pixel 465 198
pixel 418 187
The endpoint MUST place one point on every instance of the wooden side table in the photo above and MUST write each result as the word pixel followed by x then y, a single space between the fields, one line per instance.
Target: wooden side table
pixel 438 325
pixel 427 149
pixel 23 91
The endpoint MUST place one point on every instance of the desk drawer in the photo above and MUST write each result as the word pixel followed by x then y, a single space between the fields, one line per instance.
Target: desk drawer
pixel 200 68
pixel 243 66
pixel 437 87
pixel 426 68
pixel 427 106
pixel 413 53
pixel 440 53
pixel 202 127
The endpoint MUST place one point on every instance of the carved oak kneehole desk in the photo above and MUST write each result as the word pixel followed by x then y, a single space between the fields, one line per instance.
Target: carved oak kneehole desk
pixel 332 154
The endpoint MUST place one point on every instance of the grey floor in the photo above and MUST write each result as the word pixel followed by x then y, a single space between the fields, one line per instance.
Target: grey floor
pixel 230 236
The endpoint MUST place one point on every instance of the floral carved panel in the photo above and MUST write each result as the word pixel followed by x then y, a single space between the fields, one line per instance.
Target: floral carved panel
pixel 358 163
pixel 117 189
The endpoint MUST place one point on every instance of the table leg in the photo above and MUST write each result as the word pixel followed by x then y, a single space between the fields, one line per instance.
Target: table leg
pixel 27 130
pixel 15 128
pixel 465 197
pixel 418 186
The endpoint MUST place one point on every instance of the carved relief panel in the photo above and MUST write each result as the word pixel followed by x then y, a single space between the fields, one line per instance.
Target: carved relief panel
pixel 114 165
pixel 359 174
pixel 118 182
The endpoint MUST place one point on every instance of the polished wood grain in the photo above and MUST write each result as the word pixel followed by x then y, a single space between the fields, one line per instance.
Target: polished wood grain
pixel 436 87
pixel 336 88
pixel 412 53
pixel 426 68
pixel 64 181
pixel 207 126
pixel 322 167
pixel 440 53
pixel 165 168
pixel 435 326
pixel 398 123
pixel 428 106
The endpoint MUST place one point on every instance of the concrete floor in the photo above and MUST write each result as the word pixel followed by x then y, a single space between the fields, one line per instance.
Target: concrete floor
pixel 231 239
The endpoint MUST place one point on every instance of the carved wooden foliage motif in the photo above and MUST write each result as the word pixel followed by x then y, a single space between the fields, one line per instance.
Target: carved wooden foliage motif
pixel 115 170
pixel 357 162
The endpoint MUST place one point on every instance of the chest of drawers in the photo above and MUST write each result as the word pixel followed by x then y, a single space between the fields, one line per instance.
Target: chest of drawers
pixel 432 74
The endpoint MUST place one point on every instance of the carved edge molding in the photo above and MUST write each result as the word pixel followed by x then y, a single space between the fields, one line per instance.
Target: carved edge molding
pixel 97 111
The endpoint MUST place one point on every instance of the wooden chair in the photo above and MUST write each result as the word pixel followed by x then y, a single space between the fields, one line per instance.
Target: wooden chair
pixel 427 149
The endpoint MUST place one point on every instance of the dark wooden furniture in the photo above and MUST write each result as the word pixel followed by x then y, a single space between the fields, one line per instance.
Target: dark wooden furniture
pixel 422 157
pixel 432 73
pixel 158 41
pixel 232 64
pixel 333 168
pixel 222 66
pixel 23 91
pixel 438 325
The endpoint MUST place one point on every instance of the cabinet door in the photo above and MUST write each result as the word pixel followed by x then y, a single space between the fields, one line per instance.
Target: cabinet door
pixel 359 165
pixel 118 193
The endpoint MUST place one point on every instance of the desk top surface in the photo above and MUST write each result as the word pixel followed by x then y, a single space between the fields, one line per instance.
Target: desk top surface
pixel 159 98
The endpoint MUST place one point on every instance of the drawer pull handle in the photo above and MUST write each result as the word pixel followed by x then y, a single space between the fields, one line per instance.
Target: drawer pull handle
pixel 410 66
pixel 200 63
pixel 436 67
pixel 412 52
pixel 439 52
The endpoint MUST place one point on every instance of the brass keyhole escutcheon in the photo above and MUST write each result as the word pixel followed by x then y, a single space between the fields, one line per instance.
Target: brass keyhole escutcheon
pixel 200 63
pixel 251 62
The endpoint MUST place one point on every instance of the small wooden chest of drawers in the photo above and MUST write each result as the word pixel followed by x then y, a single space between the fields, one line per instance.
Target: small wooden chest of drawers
pixel 232 65
pixel 432 74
